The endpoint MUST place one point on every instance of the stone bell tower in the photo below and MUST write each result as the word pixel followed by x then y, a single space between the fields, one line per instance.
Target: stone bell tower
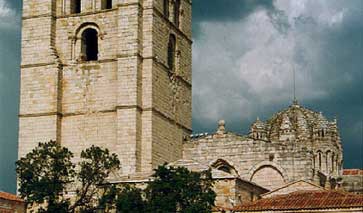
pixel 110 73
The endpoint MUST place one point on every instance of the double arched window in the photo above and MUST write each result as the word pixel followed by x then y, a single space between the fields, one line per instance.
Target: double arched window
pixel 89 46
pixel 171 52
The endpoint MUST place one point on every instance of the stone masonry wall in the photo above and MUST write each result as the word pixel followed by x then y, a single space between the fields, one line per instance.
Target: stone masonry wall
pixel 292 161
pixel 127 100
pixel 38 119
pixel 171 98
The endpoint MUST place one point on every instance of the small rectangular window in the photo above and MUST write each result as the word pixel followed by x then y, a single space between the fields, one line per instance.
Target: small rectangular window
pixel 106 4
pixel 75 6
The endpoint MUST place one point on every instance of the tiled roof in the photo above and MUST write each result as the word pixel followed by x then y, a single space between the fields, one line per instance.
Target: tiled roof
pixel 305 200
pixel 353 172
pixel 8 196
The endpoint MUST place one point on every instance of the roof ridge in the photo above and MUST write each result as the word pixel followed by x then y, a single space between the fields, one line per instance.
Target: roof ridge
pixel 317 199
pixel 291 183
pixel 345 193
pixel 10 196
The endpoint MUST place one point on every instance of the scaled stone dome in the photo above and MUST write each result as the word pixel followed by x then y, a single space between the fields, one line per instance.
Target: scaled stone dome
pixel 297 122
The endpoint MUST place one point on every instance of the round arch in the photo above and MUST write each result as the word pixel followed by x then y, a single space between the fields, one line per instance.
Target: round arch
pixel 86 25
pixel 78 50
pixel 277 175
pixel 223 165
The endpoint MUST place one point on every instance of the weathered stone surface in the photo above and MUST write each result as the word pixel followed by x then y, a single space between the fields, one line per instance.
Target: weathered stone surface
pixel 283 149
pixel 127 100
pixel 353 180
pixel 130 101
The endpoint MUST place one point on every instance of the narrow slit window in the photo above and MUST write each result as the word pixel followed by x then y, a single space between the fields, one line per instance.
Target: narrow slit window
pixel 319 160
pixel 166 8
pixel 332 162
pixel 176 12
pixel 75 6
pixel 327 161
pixel 106 4
pixel 90 45
pixel 171 52
pixel 314 166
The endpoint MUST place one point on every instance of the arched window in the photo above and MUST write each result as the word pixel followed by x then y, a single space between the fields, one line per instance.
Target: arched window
pixel 332 162
pixel 319 160
pixel 89 46
pixel 166 8
pixel 106 4
pixel 75 6
pixel 176 12
pixel 171 52
pixel 314 162
pixel 327 160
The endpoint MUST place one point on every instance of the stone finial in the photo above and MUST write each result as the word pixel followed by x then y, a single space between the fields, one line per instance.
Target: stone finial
pixel 322 122
pixel 295 102
pixel 334 125
pixel 221 127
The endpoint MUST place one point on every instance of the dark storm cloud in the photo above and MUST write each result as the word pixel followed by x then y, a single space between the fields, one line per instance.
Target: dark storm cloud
pixel 226 10
pixel 340 69
pixel 9 90
pixel 252 56
pixel 242 58
pixel 16 4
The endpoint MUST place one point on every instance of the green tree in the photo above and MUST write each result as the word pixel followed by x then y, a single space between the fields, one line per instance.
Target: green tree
pixel 180 190
pixel 45 173
pixel 95 167
pixel 130 200
pixel 172 190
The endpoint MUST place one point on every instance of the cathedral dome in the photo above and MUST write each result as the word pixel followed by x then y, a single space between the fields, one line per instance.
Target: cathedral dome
pixel 297 122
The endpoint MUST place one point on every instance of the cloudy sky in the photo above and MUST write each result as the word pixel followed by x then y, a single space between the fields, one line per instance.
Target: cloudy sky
pixel 243 57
